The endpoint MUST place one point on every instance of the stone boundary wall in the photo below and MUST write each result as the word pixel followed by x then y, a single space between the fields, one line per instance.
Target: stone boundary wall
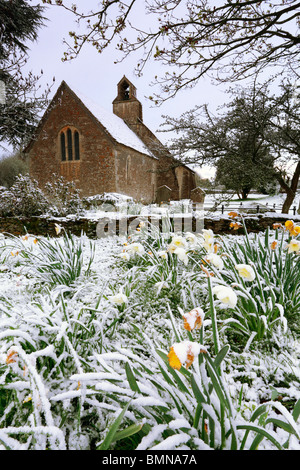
pixel 40 226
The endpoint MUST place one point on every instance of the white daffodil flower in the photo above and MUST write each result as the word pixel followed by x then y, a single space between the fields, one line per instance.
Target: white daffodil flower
pixel 226 295
pixel 119 298
pixel 208 240
pixel 125 256
pixel 161 285
pixel 163 254
pixel 293 246
pixel 215 260
pixel 135 248
pixel 178 241
pixel 58 229
pixel 246 271
pixel 191 238
pixel 181 253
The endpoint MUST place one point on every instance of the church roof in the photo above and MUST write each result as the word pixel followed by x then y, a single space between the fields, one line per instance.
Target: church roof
pixel 115 126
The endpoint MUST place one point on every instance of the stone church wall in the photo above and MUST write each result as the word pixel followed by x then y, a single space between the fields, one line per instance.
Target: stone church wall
pixel 104 165
pixel 94 172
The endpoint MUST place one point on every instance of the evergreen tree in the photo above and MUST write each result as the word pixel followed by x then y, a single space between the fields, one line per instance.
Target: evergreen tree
pixel 19 103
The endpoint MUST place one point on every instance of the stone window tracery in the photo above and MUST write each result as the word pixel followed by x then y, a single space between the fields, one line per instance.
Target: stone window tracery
pixel 69 144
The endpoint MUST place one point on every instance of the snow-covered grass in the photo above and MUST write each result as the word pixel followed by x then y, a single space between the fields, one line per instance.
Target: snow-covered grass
pixel 161 341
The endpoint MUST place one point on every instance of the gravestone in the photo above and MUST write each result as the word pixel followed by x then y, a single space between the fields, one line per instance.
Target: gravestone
pixel 163 194
pixel 198 195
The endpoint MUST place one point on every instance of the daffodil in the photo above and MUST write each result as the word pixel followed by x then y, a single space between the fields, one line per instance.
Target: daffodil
pixel 233 214
pixel 208 240
pixel 178 241
pixel 293 246
pixel 124 255
pixel 193 320
pixel 296 230
pixel 289 225
pixel 58 229
pixel 292 228
pixel 119 298
pixel 277 225
pixel 226 295
pixel 215 260
pixel 163 254
pixel 161 285
pixel 246 271
pixel 191 238
pixel 12 356
pixel 181 253
pixel 235 225
pixel 27 399
pixel 135 248
pixel 273 245
pixel 184 353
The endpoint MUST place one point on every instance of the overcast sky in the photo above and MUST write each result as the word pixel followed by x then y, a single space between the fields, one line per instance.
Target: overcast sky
pixel 96 75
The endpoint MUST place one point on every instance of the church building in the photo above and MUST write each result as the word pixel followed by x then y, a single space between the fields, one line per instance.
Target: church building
pixel 104 151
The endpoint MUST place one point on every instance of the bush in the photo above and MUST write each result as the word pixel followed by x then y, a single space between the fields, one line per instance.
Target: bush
pixel 24 198
pixel 63 197
pixel 10 168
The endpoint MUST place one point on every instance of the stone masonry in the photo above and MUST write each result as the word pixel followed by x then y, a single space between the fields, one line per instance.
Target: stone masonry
pixel 132 162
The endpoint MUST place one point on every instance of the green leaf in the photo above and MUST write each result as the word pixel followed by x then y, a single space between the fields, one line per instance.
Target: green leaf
pixel 259 411
pixel 221 355
pixel 282 424
pixel 296 411
pixel 197 392
pixel 133 429
pixel 262 431
pixel 218 386
pixel 131 378
pixel 109 438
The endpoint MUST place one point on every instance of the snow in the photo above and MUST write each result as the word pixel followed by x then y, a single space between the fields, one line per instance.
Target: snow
pixel 88 343
pixel 124 207
pixel 115 126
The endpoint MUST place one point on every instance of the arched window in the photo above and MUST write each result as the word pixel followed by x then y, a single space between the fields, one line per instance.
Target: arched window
pixel 125 91
pixel 69 144
pixel 63 146
pixel 76 145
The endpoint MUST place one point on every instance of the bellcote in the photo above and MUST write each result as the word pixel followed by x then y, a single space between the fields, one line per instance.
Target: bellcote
pixel 126 105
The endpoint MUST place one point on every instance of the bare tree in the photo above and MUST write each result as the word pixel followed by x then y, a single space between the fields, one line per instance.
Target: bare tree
pixel 252 142
pixel 282 132
pixel 230 41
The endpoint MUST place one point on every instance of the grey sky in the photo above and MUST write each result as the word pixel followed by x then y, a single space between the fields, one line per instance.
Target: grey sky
pixel 96 75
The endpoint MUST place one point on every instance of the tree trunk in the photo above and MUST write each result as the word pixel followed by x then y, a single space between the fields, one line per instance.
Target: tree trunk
pixel 290 196
pixel 290 190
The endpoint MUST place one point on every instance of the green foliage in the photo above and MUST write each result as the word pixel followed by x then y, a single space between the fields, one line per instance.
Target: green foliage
pixel 10 168
pixel 20 111
pixel 78 369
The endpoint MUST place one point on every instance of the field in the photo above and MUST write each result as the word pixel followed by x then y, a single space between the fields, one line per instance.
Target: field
pixel 159 341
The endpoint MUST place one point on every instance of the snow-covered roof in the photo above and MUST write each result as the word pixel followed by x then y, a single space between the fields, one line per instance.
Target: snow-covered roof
pixel 114 125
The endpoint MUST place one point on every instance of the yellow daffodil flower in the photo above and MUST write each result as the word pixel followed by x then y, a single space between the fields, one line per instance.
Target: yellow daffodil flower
pixel 184 353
